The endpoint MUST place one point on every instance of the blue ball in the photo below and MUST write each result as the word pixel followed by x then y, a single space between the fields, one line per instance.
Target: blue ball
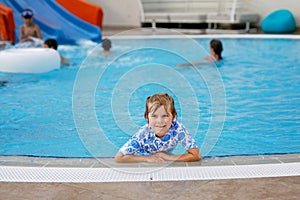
pixel 280 21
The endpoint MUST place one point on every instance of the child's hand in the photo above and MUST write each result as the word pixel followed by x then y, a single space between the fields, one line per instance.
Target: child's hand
pixel 155 158
pixel 27 39
pixel 162 155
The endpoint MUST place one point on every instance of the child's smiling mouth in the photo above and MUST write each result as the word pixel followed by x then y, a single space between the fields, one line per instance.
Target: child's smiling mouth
pixel 161 126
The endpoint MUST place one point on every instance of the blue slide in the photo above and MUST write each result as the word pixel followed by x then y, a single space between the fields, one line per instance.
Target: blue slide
pixel 54 21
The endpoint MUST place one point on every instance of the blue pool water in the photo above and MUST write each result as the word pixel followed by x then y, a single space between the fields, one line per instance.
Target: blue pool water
pixel 248 104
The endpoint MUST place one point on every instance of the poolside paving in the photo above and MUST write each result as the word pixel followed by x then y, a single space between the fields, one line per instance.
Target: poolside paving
pixel 286 188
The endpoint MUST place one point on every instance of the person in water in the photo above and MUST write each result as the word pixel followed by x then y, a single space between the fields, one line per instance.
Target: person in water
pixel 216 48
pixel 52 43
pixel 106 45
pixel 2 44
pixel 159 136
pixel 29 30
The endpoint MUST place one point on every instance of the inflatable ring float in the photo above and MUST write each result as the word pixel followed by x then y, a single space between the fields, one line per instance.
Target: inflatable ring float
pixel 29 60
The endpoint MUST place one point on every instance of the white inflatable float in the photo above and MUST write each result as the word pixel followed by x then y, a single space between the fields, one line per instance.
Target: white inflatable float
pixel 29 60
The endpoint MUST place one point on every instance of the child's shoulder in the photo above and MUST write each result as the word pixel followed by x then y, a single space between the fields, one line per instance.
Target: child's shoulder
pixel 177 126
pixel 144 129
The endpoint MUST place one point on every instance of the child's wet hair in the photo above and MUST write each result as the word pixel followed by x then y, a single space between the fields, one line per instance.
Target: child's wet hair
pixel 51 43
pixel 160 99
pixel 106 44
pixel 217 46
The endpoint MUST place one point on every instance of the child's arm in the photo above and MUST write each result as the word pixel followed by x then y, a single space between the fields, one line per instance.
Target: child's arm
pixel 133 158
pixel 21 31
pixel 38 31
pixel 64 61
pixel 210 58
pixel 192 155
pixel 196 63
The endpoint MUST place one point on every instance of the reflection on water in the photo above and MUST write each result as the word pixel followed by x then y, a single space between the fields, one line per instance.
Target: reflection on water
pixel 260 86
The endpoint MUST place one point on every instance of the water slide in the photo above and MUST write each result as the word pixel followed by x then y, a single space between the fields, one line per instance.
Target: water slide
pixel 55 21
pixel 89 12
pixel 7 24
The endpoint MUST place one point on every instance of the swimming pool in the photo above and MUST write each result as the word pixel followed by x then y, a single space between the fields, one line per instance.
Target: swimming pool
pixel 247 105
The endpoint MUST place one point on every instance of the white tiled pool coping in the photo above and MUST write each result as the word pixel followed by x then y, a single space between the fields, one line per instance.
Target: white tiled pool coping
pixel 31 169
pixel 80 175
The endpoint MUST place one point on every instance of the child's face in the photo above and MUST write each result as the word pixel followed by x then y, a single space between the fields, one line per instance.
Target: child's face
pixel 160 121
pixel 27 21
pixel 212 52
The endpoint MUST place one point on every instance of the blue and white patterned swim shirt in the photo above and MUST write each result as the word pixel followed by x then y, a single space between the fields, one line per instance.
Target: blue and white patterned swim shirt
pixel 144 142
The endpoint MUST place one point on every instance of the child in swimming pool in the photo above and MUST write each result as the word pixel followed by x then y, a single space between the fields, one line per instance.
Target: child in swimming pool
pixel 52 43
pixel 2 44
pixel 215 47
pixel 154 141
pixel 106 45
pixel 29 29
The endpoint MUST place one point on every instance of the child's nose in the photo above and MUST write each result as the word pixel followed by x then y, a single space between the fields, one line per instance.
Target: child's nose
pixel 161 120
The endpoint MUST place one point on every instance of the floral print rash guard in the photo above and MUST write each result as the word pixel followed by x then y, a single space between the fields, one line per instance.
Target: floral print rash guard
pixel 144 142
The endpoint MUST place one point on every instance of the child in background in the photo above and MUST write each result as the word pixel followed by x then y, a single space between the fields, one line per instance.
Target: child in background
pixel 4 44
pixel 29 30
pixel 106 45
pixel 52 43
pixel 155 140
pixel 216 48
